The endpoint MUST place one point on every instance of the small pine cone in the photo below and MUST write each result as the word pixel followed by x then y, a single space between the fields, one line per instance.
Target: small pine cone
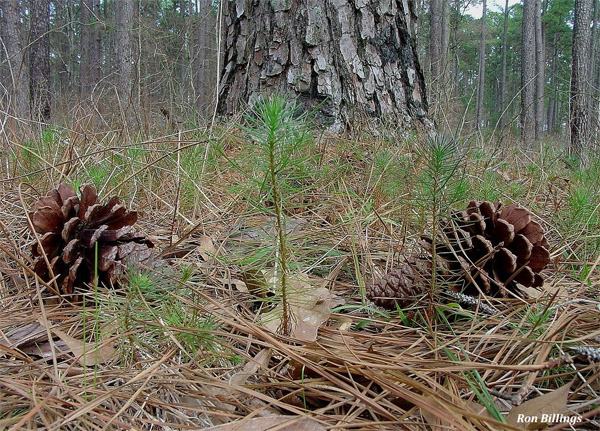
pixel 72 227
pixel 404 285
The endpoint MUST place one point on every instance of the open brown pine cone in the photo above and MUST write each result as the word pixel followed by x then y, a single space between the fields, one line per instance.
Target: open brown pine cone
pixel 72 228
pixel 494 248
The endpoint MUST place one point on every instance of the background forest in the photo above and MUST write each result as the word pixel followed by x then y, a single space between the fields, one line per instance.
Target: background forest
pixel 161 56
pixel 185 245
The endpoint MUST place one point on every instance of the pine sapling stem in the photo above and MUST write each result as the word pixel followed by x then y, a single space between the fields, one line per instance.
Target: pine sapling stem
pixel 285 321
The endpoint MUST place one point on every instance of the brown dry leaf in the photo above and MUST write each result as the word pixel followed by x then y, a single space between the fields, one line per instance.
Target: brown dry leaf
pixel 309 305
pixel 24 335
pixel 255 281
pixel 206 249
pixel 44 350
pixel 261 360
pixel 239 285
pixel 552 402
pixel 94 354
pixel 287 423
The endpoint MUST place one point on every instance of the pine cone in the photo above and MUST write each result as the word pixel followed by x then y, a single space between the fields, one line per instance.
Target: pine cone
pixel 404 285
pixel 72 227
pixel 495 248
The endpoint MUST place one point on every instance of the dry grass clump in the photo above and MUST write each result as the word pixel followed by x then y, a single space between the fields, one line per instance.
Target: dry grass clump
pixel 183 346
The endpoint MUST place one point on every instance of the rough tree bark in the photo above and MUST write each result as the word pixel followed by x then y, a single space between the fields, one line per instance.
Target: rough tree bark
pixel 579 94
pixel 15 69
pixel 39 60
pixel 481 73
pixel 528 73
pixel 540 69
pixel 124 49
pixel 353 56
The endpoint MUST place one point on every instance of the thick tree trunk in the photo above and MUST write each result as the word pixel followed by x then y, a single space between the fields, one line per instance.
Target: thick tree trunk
pixel 124 50
pixel 14 72
pixel 502 120
pixel 481 73
pixel 579 95
pixel 347 57
pixel 540 69
pixel 39 60
pixel 528 73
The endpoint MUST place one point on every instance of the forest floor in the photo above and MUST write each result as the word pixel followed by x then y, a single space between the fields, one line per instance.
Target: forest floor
pixel 196 342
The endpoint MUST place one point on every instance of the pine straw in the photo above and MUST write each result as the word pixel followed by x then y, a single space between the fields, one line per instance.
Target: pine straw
pixel 384 376
pixel 364 371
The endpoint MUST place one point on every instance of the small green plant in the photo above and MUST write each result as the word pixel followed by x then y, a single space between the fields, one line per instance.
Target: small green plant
pixel 441 188
pixel 279 133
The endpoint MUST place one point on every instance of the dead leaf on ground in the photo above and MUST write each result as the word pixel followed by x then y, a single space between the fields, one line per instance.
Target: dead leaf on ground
pixel 309 306
pixel 206 249
pixel 24 335
pixel 239 285
pixel 88 354
pixel 552 402
pixel 261 360
pixel 287 423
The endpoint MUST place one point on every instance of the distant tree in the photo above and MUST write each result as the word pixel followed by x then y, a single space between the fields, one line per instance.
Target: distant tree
pixel 206 56
pixel 481 70
pixel 528 73
pixel 579 103
pixel 14 70
pixel 90 47
pixel 540 69
pixel 124 49
pixel 40 96
pixel 502 120
pixel 557 19
pixel 347 57
pixel 436 64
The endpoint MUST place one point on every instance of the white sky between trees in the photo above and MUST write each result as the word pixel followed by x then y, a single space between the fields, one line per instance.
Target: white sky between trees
pixel 495 5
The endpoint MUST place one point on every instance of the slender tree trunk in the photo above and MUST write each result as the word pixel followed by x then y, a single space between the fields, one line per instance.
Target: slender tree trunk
pixel 86 46
pixel 528 73
pixel 540 68
pixel 124 50
pixel 39 60
pixel 344 59
pixel 206 58
pixel 14 71
pixel 595 93
pixel 96 51
pixel 503 73
pixel 90 47
pixel 435 52
pixel 552 106
pixel 579 95
pixel 481 72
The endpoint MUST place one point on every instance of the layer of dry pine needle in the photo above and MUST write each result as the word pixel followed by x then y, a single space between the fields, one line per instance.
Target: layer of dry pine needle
pixel 120 361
